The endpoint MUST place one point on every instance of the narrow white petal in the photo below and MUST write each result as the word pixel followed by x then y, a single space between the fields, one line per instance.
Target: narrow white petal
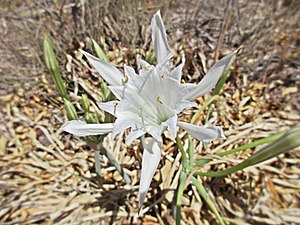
pixel 155 131
pixel 126 120
pixel 212 77
pixel 118 91
pixel 176 72
pixel 107 71
pixel 151 158
pixel 159 39
pixel 187 88
pixel 146 67
pixel 134 134
pixel 202 133
pixel 171 123
pixel 109 107
pixel 83 129
pixel 129 71
pixel 184 104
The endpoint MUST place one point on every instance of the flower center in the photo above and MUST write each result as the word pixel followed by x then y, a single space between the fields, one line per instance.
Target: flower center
pixel 152 95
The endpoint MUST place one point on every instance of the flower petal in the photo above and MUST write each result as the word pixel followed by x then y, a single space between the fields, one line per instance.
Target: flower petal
pixel 151 158
pixel 125 120
pixel 155 131
pixel 176 72
pixel 134 134
pixel 184 104
pixel 202 133
pixel 159 39
pixel 171 123
pixel 118 91
pixel 83 129
pixel 107 71
pixel 212 77
pixel 129 71
pixel 109 107
pixel 187 88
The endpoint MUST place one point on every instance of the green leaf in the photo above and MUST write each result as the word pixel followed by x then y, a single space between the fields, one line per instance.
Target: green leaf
pixel 150 58
pixel 70 109
pixel 85 103
pixel 52 65
pixel 221 83
pixel 203 193
pixel 251 145
pixel 184 158
pixel 206 104
pixel 100 53
pixel 286 142
pixel 180 190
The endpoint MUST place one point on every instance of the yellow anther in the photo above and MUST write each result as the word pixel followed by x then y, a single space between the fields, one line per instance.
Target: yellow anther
pixel 158 99
pixel 125 80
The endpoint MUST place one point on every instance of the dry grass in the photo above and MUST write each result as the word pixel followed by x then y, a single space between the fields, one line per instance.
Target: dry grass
pixel 48 177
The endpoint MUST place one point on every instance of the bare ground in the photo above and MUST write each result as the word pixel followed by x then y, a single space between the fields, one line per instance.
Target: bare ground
pixel 47 177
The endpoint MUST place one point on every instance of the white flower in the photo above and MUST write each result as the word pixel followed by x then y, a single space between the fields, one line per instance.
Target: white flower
pixel 149 102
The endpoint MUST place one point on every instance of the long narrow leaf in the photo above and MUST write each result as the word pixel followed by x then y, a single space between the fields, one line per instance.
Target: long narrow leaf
pixel 100 53
pixel 180 191
pixel 287 142
pixel 52 65
pixel 203 193
pixel 253 144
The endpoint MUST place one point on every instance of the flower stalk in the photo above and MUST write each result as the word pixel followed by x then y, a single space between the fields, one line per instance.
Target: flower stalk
pixel 100 148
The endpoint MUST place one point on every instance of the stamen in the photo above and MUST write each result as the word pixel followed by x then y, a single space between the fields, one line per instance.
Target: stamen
pixel 115 107
pixel 125 80
pixel 158 99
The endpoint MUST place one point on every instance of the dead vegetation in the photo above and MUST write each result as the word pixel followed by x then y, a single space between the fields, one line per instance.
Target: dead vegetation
pixel 47 177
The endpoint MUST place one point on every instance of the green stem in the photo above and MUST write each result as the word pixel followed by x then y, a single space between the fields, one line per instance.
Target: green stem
pixel 207 199
pixel 184 172
pixel 98 167
pixel 208 114
pixel 207 103
pixel 116 164
pixel 99 147
pixel 191 150
pixel 179 198
pixel 216 91
pixel 184 158
pixel 97 163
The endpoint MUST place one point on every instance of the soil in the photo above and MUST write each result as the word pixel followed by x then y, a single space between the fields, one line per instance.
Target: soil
pixel 48 177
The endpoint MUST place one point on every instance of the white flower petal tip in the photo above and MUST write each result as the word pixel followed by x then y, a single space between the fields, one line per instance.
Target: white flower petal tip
pixel 151 158
pixel 107 71
pixel 159 39
pixel 110 107
pixel 212 77
pixel 82 129
pixel 204 134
